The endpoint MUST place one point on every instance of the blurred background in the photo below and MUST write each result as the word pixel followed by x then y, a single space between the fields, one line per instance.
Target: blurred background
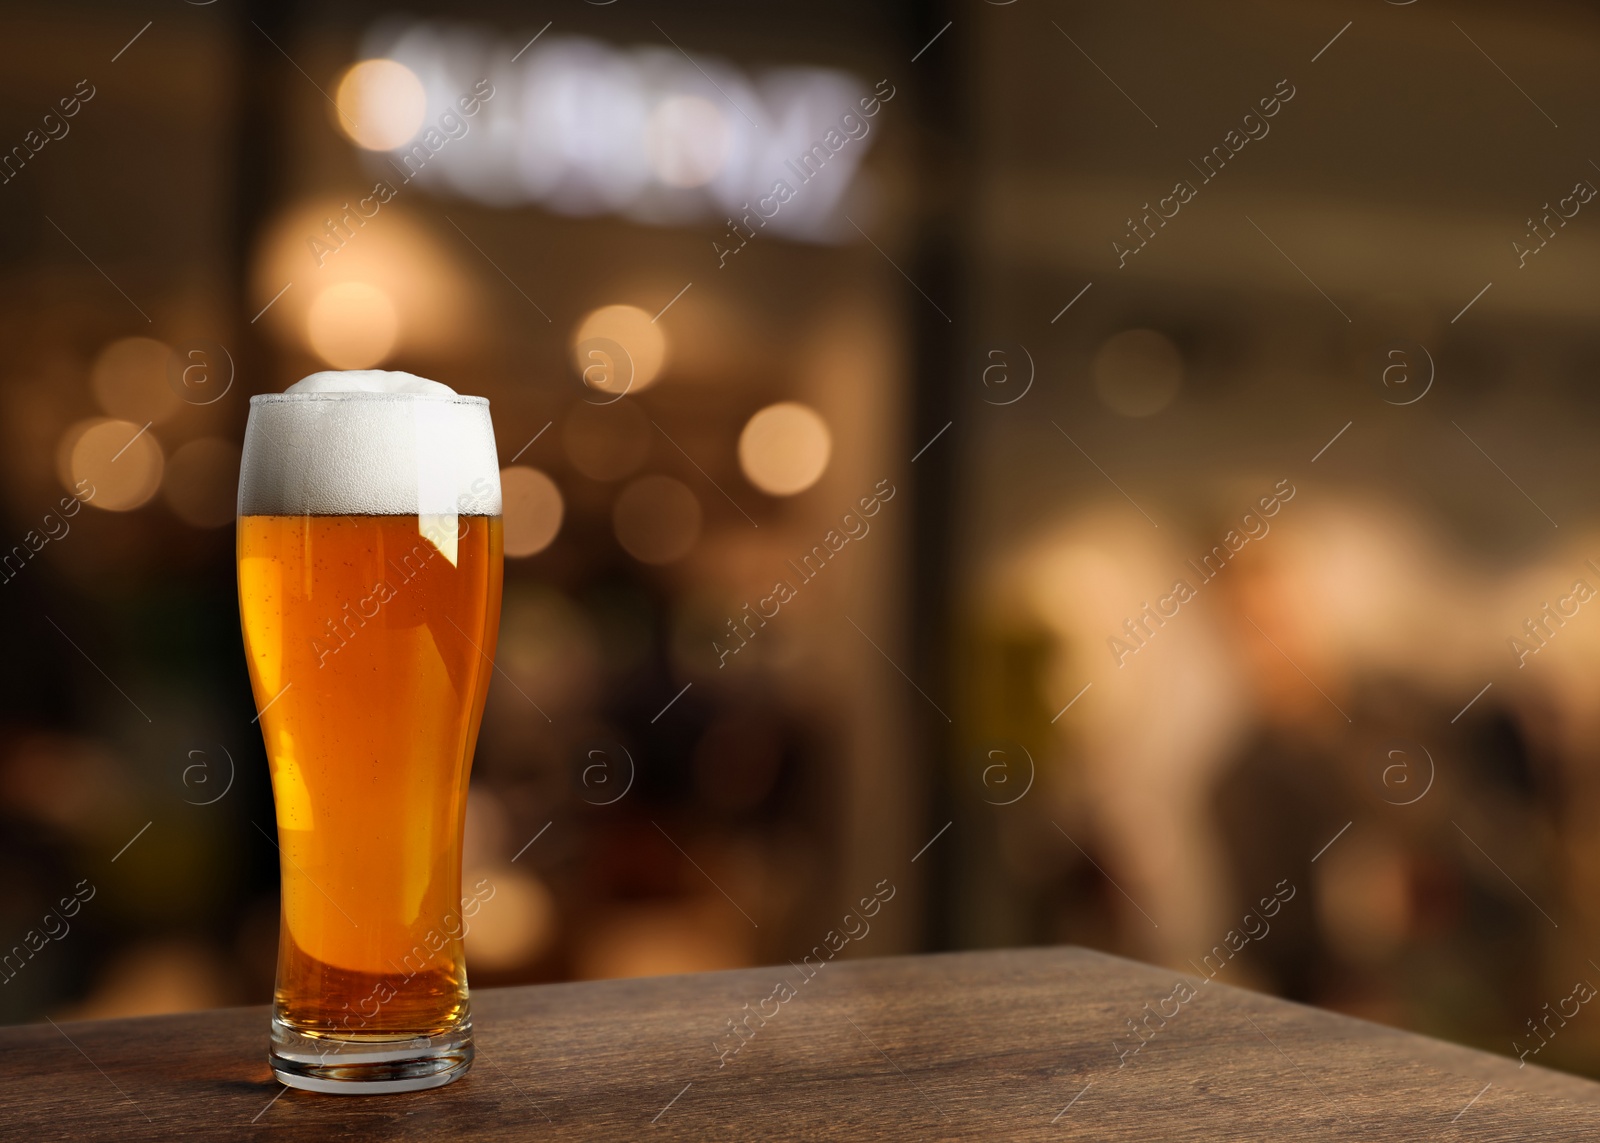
pixel 1148 550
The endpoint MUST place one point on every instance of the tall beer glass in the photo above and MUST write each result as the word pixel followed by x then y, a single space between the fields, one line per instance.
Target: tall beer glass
pixel 369 590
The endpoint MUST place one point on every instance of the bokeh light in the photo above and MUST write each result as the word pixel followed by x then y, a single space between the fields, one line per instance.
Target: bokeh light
pixel 202 482
pixel 75 783
pixel 179 975
pixel 606 442
pixel 1364 899
pixel 437 301
pixel 643 345
pixel 514 923
pixel 352 325
pixel 583 127
pixel 486 829
pixel 658 939
pixel 1137 372
pixel 129 380
pixel 687 138
pixel 784 449
pixel 381 104
pixel 657 519
pixel 532 510
pixel 121 463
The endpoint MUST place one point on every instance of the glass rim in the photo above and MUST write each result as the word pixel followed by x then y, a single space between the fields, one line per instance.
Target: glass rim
pixel 358 395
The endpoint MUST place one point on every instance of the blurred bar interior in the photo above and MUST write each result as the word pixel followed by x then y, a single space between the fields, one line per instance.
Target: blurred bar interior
pixel 850 515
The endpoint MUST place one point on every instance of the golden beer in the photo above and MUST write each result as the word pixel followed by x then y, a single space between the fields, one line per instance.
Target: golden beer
pixel 370 641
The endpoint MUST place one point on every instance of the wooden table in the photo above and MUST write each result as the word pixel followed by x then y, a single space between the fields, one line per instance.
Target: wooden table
pixel 992 1046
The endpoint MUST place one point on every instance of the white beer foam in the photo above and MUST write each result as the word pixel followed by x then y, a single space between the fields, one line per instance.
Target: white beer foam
pixel 370 381
pixel 369 443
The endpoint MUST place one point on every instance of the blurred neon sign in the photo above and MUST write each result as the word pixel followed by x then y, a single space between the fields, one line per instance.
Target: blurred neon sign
pixel 649 133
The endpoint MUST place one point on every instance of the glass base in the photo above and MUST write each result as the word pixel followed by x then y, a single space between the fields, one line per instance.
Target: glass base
pixel 369 1065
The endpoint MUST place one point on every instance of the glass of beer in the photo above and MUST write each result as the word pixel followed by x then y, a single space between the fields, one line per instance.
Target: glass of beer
pixel 369 591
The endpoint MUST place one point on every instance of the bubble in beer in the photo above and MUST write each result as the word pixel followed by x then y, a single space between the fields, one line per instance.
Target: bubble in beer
pixel 642 341
pixel 121 461
pixel 352 325
pixel 202 482
pixel 784 448
pixel 381 104
pixel 532 510
pixel 130 380
pixel 656 519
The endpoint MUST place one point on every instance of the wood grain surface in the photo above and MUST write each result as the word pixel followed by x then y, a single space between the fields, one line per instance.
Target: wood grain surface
pixel 994 1046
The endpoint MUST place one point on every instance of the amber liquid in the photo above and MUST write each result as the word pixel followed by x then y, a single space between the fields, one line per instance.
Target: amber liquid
pixel 370 642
